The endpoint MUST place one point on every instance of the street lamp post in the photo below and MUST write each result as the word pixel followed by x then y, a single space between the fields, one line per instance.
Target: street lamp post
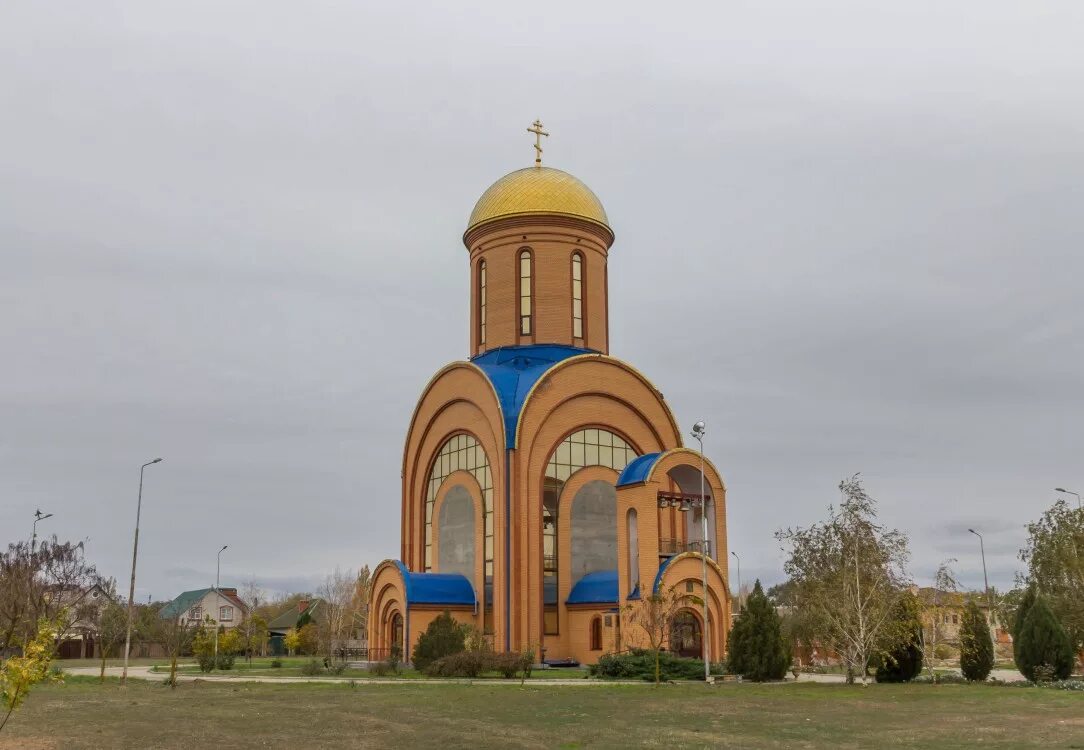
pixel 985 580
pixel 131 588
pixel 736 557
pixel 698 432
pixel 1069 492
pixel 38 516
pixel 218 600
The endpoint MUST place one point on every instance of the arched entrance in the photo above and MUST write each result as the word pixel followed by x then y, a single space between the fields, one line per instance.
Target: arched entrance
pixel 395 644
pixel 685 635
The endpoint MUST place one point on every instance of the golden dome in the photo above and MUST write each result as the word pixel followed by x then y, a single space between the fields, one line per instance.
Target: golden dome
pixel 537 190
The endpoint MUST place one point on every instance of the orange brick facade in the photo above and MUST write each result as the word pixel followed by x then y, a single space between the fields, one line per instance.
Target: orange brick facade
pixel 512 417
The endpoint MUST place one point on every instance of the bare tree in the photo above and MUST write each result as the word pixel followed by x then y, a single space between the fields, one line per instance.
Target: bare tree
pixel 847 574
pixel 945 595
pixel 254 626
pixel 49 582
pixel 110 627
pixel 655 615
pixel 337 592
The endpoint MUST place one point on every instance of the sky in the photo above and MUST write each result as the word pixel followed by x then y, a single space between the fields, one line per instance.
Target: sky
pixel 849 237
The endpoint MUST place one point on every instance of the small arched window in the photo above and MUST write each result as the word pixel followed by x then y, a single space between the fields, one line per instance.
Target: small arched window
pixel 482 304
pixel 596 634
pixel 633 541
pixel 525 292
pixel 577 296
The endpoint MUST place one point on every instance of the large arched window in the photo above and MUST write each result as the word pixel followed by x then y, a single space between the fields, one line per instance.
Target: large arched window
pixel 525 317
pixel 481 304
pixel 632 538
pixel 577 296
pixel 455 533
pixel 588 447
pixel 464 452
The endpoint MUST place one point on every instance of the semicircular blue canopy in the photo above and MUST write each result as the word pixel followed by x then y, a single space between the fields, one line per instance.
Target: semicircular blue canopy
pixel 599 587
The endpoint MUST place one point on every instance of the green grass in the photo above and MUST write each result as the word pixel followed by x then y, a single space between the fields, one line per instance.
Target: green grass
pixel 84 714
pixel 291 667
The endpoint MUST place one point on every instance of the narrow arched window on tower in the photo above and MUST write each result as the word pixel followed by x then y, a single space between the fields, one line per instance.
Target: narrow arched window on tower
pixel 577 296
pixel 525 292
pixel 481 304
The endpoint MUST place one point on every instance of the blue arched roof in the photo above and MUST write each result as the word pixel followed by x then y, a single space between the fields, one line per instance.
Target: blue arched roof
pixel 513 371
pixel 599 587
pixel 638 469
pixel 436 588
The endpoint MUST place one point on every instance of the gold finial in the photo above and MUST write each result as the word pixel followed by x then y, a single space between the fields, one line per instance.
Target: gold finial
pixel 536 128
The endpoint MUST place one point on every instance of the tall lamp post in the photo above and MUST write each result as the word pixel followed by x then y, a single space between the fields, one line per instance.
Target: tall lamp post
pixel 218 599
pixel 736 557
pixel 38 516
pixel 1069 492
pixel 985 580
pixel 698 432
pixel 131 588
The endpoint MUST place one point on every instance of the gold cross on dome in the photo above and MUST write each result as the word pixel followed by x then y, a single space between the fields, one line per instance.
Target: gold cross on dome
pixel 536 128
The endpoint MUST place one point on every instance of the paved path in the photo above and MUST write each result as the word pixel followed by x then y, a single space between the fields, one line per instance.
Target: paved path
pixel 145 673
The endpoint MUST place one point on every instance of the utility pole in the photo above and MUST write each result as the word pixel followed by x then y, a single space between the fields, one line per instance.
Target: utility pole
pixel 131 588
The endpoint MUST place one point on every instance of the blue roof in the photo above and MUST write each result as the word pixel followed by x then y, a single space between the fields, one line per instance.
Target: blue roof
pixel 436 588
pixel 638 469
pixel 599 587
pixel 513 371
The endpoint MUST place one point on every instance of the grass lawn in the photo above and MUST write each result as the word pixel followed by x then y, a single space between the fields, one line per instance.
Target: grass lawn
pixel 291 667
pixel 84 714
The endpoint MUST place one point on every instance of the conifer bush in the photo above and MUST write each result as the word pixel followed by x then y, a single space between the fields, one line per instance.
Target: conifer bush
pixel 1018 622
pixel 758 651
pixel 976 645
pixel 901 658
pixel 1043 647
pixel 443 637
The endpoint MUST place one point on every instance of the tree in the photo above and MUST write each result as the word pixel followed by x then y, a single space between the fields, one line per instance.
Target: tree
pixel 655 616
pixel 901 650
pixel 944 598
pixel 976 645
pixel 444 636
pixel 48 582
pixel 1055 558
pixel 758 651
pixel 338 592
pixel 1026 603
pixel 292 641
pixel 19 673
pixel 1044 651
pixel 308 638
pixel 111 627
pixel 174 633
pixel 253 635
pixel 847 573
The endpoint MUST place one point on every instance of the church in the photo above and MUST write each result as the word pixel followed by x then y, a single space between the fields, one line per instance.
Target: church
pixel 546 486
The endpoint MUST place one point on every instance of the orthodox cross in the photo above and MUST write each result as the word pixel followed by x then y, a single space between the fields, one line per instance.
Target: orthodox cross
pixel 536 128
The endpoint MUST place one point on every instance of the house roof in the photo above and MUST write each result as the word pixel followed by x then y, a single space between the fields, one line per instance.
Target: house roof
pixel 288 618
pixel 514 370
pixel 185 600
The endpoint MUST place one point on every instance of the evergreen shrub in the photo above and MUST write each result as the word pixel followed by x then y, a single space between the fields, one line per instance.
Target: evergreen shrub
pixel 758 651
pixel 443 637
pixel 639 664
pixel 1043 642
pixel 976 645
pixel 901 660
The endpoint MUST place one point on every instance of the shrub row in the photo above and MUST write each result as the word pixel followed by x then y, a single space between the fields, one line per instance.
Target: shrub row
pixel 639 664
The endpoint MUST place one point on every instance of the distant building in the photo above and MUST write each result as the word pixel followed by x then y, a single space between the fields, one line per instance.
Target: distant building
pixel 311 610
pixel 80 639
pixel 224 607
pixel 942 614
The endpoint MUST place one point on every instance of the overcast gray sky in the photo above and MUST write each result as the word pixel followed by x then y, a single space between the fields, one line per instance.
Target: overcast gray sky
pixel 230 236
